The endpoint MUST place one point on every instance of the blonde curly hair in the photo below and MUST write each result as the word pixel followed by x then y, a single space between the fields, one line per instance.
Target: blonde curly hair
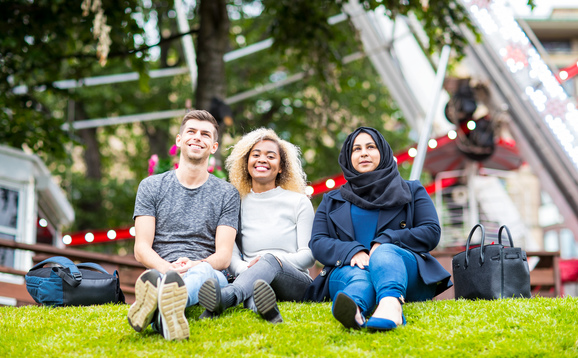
pixel 292 176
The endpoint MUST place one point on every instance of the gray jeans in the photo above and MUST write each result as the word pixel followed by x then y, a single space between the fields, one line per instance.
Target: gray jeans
pixel 288 282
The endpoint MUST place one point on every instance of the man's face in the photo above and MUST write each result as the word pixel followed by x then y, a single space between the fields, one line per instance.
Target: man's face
pixel 198 140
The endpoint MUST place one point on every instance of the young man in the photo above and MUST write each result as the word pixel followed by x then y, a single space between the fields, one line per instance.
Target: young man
pixel 186 221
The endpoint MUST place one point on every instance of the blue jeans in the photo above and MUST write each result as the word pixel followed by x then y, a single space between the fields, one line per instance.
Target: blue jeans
pixel 287 281
pixel 392 272
pixel 196 276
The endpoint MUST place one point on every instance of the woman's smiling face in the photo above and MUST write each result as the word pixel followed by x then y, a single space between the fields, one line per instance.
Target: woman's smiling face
pixel 365 156
pixel 264 163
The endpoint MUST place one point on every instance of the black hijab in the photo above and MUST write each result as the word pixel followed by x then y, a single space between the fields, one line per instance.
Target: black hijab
pixel 378 189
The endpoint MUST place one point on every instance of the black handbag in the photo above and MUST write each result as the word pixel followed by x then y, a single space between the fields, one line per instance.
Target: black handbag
pixel 491 271
pixel 67 284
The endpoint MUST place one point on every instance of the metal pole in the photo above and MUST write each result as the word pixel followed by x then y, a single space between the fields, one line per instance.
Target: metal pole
pixel 187 40
pixel 426 131
pixel 153 116
pixel 376 49
pixel 472 171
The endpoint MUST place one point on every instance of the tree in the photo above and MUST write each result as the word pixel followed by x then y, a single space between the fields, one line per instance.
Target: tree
pixel 46 41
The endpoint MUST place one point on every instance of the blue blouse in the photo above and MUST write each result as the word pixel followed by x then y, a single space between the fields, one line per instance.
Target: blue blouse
pixel 364 224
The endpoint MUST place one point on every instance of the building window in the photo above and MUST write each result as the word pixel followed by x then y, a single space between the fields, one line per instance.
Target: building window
pixel 8 223
pixel 45 232
pixel 557 47
pixel 8 207
pixel 568 248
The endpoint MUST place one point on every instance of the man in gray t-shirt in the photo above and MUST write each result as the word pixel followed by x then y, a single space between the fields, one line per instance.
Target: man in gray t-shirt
pixel 186 221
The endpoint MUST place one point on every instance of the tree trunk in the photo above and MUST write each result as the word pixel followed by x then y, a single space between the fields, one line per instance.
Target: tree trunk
pixel 213 42
pixel 91 199
pixel 158 137
pixel 92 158
pixel 158 133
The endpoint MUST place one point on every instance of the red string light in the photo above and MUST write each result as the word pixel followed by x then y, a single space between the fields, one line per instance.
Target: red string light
pixel 319 187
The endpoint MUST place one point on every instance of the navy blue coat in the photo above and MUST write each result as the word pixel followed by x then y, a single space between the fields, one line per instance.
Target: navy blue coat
pixel 413 226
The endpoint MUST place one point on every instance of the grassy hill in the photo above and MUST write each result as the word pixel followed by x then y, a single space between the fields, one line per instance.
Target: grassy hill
pixel 538 327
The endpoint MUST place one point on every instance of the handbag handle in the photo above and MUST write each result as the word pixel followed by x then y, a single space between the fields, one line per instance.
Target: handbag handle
pixel 509 235
pixel 468 243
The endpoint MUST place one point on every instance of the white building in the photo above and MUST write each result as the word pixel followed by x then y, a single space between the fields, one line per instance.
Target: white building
pixel 33 209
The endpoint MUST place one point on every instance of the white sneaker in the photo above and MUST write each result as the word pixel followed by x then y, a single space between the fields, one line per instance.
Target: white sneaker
pixel 172 301
pixel 141 312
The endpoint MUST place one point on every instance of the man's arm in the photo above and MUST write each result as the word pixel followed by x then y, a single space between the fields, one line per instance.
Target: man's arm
pixel 143 244
pixel 224 242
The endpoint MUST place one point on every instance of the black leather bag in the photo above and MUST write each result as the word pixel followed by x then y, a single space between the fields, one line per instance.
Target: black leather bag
pixel 67 284
pixel 491 271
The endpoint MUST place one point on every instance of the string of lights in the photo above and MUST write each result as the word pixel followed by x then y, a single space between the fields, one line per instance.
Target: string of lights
pixel 531 74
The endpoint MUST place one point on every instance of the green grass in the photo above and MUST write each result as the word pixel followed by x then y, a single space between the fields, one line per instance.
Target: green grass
pixel 538 327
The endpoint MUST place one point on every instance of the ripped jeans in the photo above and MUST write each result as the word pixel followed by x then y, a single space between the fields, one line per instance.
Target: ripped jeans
pixel 288 282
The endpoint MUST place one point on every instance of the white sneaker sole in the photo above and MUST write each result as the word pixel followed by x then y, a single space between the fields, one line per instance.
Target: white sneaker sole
pixel 172 300
pixel 141 312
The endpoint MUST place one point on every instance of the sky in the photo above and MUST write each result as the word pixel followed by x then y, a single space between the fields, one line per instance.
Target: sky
pixel 543 8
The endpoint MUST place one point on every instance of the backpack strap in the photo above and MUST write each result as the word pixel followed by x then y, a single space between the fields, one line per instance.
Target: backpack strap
pixel 239 236
pixel 73 279
pixel 93 266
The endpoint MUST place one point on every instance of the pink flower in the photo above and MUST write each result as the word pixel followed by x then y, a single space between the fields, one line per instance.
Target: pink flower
pixel 211 160
pixel 153 161
pixel 210 169
pixel 174 150
pixel 176 165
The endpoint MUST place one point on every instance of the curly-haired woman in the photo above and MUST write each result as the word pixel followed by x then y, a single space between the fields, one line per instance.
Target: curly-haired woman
pixel 272 255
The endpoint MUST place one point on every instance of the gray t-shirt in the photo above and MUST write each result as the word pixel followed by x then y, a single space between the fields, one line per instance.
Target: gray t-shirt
pixel 186 219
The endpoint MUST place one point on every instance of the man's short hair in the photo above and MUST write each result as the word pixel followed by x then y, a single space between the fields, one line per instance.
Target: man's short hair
pixel 200 115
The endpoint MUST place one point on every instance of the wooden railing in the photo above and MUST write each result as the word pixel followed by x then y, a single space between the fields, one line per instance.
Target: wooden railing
pixel 544 278
pixel 128 268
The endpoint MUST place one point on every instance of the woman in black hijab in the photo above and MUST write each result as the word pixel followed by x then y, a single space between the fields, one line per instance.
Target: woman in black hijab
pixel 374 235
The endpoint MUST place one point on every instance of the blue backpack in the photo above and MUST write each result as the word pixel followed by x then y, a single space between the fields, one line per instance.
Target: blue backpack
pixel 67 284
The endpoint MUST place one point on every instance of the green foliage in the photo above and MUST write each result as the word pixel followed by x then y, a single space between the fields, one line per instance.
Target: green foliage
pixel 117 202
pixel 301 25
pixel 317 112
pixel 539 327
pixel 47 41
pixel 35 129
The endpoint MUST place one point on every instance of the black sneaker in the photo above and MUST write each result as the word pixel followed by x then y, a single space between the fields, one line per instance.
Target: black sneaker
pixel 141 312
pixel 208 315
pixel 210 297
pixel 266 302
pixel 173 298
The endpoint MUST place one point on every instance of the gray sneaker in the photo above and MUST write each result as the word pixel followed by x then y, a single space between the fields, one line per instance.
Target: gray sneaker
pixel 210 297
pixel 140 313
pixel 172 300
pixel 266 302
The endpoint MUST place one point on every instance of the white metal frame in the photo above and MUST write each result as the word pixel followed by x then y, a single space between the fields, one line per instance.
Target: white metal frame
pixel 25 230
